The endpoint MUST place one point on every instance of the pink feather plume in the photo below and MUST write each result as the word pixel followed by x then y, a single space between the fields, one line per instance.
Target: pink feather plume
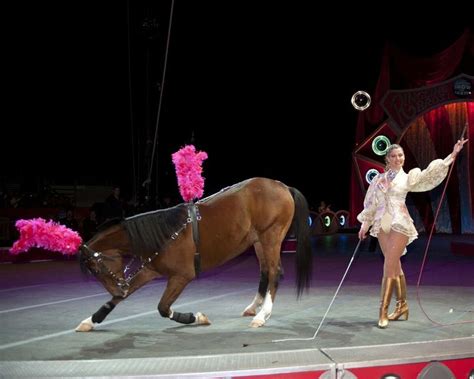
pixel 188 165
pixel 49 235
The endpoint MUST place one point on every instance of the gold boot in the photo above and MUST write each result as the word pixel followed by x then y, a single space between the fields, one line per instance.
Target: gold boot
pixel 387 289
pixel 401 293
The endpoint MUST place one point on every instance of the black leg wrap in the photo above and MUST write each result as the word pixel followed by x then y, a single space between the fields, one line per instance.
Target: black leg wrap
pixel 183 318
pixel 263 285
pixel 102 313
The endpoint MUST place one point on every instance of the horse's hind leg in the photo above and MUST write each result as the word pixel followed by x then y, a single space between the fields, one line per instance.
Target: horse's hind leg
pixel 251 309
pixel 266 310
pixel 140 279
pixel 175 286
pixel 269 263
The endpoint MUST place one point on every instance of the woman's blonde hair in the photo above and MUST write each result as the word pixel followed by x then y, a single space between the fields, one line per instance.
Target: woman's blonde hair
pixel 388 151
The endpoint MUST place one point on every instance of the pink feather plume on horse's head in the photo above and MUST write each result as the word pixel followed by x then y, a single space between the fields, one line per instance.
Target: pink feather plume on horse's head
pixel 188 165
pixel 50 235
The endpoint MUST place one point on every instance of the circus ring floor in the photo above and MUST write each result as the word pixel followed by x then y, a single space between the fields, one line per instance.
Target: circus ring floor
pixel 42 303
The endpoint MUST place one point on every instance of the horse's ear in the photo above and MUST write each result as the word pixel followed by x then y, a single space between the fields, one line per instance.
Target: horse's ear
pixel 49 235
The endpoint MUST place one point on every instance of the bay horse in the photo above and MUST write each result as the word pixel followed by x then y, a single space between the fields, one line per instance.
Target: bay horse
pixel 181 241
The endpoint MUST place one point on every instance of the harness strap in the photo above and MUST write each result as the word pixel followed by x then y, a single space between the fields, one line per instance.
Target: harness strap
pixel 194 215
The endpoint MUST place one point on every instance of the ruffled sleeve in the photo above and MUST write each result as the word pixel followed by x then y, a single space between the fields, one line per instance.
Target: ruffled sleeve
pixel 429 178
pixel 370 204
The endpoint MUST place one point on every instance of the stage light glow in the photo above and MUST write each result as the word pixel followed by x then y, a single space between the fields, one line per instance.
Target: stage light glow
pixel 360 100
pixel 370 174
pixel 342 220
pixel 327 221
pixel 380 144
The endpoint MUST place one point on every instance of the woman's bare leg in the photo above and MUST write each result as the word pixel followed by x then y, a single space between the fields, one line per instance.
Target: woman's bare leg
pixel 392 245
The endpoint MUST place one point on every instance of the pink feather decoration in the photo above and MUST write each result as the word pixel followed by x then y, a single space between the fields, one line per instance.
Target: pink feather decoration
pixel 48 235
pixel 188 165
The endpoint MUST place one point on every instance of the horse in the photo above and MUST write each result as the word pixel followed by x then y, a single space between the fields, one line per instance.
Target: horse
pixel 181 241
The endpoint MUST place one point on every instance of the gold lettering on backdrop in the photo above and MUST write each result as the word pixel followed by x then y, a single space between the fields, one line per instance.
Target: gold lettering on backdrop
pixel 406 106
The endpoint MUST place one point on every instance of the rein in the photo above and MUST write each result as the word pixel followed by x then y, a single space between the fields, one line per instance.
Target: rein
pixel 124 284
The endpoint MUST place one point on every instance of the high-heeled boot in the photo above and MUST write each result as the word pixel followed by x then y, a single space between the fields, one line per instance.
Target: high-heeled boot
pixel 401 310
pixel 386 295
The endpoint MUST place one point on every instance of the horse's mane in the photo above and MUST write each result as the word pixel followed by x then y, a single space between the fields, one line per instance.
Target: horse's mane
pixel 150 231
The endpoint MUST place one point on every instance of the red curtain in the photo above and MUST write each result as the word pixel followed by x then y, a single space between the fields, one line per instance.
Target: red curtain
pixel 400 70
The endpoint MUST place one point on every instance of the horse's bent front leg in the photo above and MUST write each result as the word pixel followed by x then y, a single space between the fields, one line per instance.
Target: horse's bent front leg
pixel 173 289
pixel 90 323
pixel 140 279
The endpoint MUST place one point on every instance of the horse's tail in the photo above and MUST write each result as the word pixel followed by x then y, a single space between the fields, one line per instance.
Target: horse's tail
pixel 300 228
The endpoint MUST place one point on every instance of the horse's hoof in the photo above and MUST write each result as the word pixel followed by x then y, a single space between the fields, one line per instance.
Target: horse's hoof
pixel 201 319
pixel 86 325
pixel 248 313
pixel 257 323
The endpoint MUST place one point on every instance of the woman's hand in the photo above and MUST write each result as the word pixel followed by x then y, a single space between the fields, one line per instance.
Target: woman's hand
pixel 363 231
pixel 458 146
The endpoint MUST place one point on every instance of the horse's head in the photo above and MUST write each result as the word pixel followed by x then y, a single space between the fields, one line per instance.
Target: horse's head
pixel 106 266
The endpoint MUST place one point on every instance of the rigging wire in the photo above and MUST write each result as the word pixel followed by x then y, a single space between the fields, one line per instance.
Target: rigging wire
pixel 132 124
pixel 155 139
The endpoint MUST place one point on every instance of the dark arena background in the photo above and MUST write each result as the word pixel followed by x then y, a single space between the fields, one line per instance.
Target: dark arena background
pixel 100 95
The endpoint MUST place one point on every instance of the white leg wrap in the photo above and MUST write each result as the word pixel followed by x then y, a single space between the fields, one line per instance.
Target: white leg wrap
pixel 86 325
pixel 265 312
pixel 252 308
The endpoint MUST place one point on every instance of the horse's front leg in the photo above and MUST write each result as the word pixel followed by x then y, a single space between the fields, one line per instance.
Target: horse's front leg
pixel 174 287
pixel 91 322
pixel 140 279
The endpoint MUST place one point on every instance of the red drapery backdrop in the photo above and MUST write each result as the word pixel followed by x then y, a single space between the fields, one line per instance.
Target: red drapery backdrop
pixel 399 70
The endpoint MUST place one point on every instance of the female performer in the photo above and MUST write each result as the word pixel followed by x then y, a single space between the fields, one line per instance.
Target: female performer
pixel 387 215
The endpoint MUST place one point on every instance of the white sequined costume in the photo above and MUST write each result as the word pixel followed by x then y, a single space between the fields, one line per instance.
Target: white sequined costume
pixel 384 203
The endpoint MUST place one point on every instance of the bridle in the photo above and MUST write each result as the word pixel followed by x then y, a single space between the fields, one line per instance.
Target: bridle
pixel 99 257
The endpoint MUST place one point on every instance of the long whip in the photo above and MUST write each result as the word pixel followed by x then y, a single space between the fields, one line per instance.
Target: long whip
pixel 429 241
pixel 330 304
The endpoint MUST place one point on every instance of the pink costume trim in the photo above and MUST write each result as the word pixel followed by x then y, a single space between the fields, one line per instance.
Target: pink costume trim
pixel 188 164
